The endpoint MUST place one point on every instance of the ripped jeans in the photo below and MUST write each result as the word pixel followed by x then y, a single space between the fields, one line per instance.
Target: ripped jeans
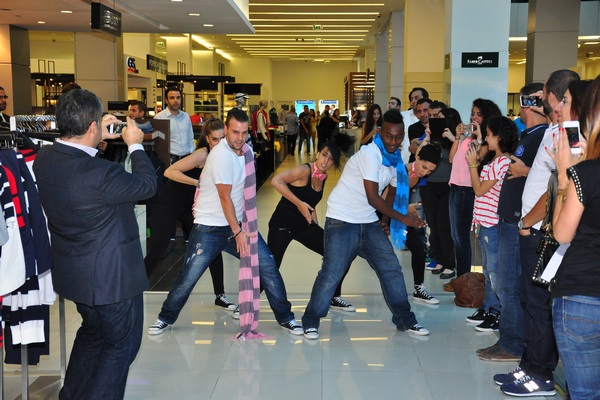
pixel 205 243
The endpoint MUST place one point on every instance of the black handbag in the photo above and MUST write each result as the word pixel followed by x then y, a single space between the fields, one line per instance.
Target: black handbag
pixel 547 245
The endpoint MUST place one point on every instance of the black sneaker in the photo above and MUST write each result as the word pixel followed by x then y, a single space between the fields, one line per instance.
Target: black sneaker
pixel 477 317
pixel 222 301
pixel 417 329
pixel 292 327
pixel 491 324
pixel 341 304
pixel 515 374
pixel 528 386
pixel 420 294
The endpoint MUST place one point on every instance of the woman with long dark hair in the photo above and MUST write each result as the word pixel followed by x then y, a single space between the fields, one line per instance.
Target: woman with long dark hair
pixel 372 124
pixel 294 217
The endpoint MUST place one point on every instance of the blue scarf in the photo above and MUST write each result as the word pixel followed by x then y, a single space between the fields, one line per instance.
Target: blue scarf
pixel 397 228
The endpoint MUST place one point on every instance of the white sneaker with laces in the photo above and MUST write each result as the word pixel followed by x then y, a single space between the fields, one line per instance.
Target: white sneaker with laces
pixel 311 333
pixel 158 327
pixel 236 313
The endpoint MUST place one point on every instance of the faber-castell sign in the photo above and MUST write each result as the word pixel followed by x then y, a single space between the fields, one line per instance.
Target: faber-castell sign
pixel 480 60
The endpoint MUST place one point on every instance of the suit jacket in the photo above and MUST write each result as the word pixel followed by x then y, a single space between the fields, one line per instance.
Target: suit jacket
pixel 95 242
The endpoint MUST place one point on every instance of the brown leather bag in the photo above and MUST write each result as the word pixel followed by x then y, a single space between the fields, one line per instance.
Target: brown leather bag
pixel 469 289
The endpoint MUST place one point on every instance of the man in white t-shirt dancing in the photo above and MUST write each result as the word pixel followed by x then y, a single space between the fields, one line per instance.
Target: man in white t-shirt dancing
pixel 218 209
pixel 352 227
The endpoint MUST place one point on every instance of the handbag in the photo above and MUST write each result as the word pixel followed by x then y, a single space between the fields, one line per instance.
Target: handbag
pixel 547 245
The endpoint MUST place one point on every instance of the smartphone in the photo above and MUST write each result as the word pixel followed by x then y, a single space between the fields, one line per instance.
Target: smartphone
pixel 468 128
pixel 116 129
pixel 437 126
pixel 573 135
pixel 530 101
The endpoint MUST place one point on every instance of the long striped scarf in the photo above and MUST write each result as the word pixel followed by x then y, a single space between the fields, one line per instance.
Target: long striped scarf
pixel 249 279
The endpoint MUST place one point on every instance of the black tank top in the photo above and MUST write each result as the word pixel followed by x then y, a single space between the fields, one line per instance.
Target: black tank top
pixel 287 215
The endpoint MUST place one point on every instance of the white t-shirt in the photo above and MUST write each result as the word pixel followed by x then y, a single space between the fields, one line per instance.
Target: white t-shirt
pixel 409 119
pixel 348 200
pixel 222 166
pixel 537 179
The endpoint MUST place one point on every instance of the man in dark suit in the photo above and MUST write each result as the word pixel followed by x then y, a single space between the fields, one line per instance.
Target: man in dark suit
pixel 96 249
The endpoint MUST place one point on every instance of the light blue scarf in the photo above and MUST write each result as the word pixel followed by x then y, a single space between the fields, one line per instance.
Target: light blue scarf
pixel 397 228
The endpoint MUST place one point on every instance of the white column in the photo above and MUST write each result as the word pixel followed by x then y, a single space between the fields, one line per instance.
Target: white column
pixel 476 26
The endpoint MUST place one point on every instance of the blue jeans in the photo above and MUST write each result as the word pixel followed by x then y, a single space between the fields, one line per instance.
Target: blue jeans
pixel 343 242
pixel 540 356
pixel 507 289
pixel 206 243
pixel 461 201
pixel 576 328
pixel 488 241
pixel 105 346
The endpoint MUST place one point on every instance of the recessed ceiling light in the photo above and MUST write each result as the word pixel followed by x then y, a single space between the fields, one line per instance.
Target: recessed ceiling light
pixel 41 22
pixel 176 1
pixel 194 14
pixel 208 25
pixel 66 11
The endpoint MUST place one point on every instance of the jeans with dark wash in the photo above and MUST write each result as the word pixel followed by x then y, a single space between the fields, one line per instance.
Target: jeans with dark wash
pixel 435 197
pixel 540 356
pixel 206 243
pixel 461 201
pixel 488 241
pixel 343 242
pixel 507 288
pixel 105 346
pixel 576 320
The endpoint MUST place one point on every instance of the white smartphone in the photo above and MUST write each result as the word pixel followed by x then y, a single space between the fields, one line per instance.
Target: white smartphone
pixel 573 135
pixel 116 129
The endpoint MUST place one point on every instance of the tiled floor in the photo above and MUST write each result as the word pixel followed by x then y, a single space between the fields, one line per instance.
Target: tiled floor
pixel 359 356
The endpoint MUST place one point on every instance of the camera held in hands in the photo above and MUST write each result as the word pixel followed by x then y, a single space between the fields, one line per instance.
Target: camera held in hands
pixel 530 101
pixel 117 129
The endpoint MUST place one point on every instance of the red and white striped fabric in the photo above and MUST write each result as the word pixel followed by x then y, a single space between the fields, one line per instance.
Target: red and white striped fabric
pixel 485 211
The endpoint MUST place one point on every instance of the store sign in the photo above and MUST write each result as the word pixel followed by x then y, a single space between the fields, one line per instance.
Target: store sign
pixel 156 64
pixel 106 19
pixel 480 60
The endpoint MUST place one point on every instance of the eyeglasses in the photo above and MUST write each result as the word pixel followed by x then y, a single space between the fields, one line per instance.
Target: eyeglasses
pixel 4 97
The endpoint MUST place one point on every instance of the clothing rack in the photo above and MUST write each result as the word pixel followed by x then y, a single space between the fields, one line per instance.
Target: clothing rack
pixel 14 140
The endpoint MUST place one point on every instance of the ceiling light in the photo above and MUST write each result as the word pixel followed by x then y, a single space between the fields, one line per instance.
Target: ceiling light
pixel 41 22
pixel 312 13
pixel 223 54
pixel 522 62
pixel 589 37
pixel 66 12
pixel 194 14
pixel 591 43
pixel 312 19
pixel 208 25
pixel 317 5
pixel 202 42
pixel 177 1
pixel 517 39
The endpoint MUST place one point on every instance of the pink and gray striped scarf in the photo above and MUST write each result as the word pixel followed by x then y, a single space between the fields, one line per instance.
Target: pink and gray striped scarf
pixel 249 279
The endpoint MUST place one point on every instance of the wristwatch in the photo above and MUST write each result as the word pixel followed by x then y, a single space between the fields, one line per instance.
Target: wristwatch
pixel 521 227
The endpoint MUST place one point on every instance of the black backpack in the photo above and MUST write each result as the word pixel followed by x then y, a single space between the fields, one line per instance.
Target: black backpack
pixel 273 117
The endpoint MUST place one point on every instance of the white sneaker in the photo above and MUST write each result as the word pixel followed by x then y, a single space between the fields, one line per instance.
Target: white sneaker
pixel 311 333
pixel 236 313
pixel 158 327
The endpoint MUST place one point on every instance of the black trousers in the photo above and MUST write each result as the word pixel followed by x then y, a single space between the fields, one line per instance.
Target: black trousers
pixel 312 238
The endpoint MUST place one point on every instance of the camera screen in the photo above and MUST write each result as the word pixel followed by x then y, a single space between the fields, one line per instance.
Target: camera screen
pixel 530 101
